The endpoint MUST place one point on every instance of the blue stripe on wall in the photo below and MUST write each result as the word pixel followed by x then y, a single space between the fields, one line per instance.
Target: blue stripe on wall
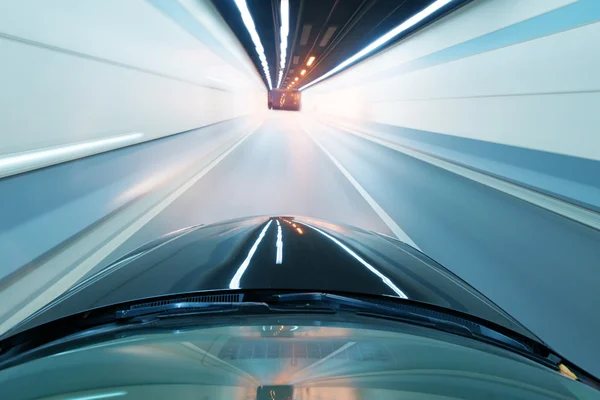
pixel 560 19
pixel 178 14
pixel 573 178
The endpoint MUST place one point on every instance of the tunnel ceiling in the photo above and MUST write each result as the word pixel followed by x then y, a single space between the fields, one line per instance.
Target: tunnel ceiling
pixel 329 30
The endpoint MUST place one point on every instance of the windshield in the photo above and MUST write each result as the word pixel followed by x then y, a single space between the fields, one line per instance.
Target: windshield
pixel 297 359
pixel 439 153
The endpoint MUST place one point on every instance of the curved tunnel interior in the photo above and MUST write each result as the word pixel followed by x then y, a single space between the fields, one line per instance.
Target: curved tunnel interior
pixel 465 129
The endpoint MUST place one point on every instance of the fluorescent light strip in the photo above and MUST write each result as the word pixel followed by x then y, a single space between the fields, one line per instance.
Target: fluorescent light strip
pixel 283 32
pixel 415 19
pixel 279 245
pixel 384 278
pixel 235 281
pixel 27 161
pixel 249 23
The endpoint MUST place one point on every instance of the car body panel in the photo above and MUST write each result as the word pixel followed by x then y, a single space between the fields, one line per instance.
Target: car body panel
pixel 286 252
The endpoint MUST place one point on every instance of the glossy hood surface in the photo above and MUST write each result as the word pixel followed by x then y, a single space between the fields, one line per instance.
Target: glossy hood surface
pixel 274 253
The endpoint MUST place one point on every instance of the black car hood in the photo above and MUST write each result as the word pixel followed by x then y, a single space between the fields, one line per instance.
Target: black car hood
pixel 274 253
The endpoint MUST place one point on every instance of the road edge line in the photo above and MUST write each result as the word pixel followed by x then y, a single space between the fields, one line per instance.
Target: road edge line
pixel 565 209
pixel 394 227
pixel 97 255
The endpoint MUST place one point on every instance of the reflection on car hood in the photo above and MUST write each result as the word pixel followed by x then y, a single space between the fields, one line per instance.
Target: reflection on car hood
pixel 275 253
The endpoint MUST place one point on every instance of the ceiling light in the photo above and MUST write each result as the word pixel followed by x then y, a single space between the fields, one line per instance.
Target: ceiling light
pixel 328 34
pixel 296 78
pixel 310 61
pixel 302 72
pixel 283 33
pixel 249 23
pixel 305 34
pixel 415 19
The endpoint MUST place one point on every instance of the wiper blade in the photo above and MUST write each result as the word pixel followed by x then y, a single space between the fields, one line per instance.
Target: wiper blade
pixel 185 308
pixel 397 312
pixel 139 314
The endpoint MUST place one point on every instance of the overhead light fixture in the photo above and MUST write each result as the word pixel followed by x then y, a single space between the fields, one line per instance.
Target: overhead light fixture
pixel 302 72
pixel 415 19
pixel 283 33
pixel 249 23
pixel 296 78
pixel 305 34
pixel 327 37
pixel 310 61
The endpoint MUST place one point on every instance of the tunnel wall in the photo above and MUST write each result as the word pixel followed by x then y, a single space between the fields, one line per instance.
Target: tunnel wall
pixel 76 71
pixel 81 70
pixel 509 87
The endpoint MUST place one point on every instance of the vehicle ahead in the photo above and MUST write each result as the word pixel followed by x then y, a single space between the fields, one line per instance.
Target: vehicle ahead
pixel 285 99
pixel 279 308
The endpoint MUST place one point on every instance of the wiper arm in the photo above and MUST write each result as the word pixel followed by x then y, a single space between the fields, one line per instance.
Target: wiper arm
pixel 399 313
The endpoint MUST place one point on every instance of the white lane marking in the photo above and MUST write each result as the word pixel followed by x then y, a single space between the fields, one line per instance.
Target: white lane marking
pixel 384 278
pixel 557 206
pixel 279 245
pixel 97 256
pixel 235 281
pixel 17 163
pixel 400 234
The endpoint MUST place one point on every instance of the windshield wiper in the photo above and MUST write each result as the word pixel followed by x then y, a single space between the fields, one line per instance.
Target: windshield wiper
pixel 171 310
pixel 167 312
pixel 399 312
pixel 188 308
pixel 317 302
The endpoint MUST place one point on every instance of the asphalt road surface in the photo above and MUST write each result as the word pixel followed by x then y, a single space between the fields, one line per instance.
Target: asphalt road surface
pixel 540 267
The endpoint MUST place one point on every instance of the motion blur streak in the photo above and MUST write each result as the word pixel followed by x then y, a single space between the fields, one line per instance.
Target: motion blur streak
pixel 260 50
pixel 383 40
pixel 505 87
pixel 384 278
pixel 284 31
pixel 235 282
pixel 35 159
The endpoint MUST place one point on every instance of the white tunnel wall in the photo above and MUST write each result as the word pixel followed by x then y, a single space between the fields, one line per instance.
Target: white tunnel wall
pixel 79 70
pixel 530 94
pixel 495 77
